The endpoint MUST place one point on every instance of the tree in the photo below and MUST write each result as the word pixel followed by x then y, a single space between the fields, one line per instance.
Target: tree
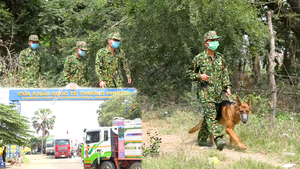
pixel 121 105
pixel 14 128
pixel 43 121
pixel 163 36
pixel 36 142
pixel 272 64
pixel 286 23
pixel 288 12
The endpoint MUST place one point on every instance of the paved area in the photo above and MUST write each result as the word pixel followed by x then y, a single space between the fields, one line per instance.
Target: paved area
pixel 49 162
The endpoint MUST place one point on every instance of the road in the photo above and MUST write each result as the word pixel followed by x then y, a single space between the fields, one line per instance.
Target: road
pixel 49 162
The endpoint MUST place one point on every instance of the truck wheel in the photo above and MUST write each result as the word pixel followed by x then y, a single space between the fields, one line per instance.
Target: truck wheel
pixel 108 165
pixel 136 165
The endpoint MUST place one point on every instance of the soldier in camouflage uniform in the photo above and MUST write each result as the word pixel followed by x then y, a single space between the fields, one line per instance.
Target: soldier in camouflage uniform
pixel 30 63
pixel 211 75
pixel 76 70
pixel 108 63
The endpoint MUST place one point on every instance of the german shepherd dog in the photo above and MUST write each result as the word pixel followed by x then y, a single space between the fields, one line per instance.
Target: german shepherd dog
pixel 229 114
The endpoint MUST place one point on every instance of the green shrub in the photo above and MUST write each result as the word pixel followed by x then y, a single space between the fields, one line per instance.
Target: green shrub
pixel 154 148
pixel 120 105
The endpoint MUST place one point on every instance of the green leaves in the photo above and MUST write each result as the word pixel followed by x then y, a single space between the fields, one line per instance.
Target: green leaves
pixel 121 105
pixel 12 125
pixel 162 37
pixel 42 120
pixel 154 148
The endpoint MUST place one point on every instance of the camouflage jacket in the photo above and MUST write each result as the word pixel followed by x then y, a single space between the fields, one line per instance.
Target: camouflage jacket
pixel 108 67
pixel 76 71
pixel 29 67
pixel 215 68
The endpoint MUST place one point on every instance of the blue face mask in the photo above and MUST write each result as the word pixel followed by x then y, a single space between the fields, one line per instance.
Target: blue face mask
pixel 81 53
pixel 115 44
pixel 34 46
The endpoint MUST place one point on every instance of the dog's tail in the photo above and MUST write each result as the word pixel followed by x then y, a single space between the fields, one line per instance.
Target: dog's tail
pixel 196 128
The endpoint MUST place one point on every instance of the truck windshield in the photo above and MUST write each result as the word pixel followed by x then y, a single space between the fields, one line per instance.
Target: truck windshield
pixel 62 142
pixel 49 145
pixel 92 137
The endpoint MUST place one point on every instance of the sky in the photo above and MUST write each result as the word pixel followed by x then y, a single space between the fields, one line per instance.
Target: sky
pixel 71 116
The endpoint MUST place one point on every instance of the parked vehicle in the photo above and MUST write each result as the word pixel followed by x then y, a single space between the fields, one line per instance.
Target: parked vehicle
pixel 114 147
pixel 27 150
pixel 62 147
pixel 50 146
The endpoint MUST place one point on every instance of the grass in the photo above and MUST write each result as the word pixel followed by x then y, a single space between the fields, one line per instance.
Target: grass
pixel 184 160
pixel 249 163
pixel 24 159
pixel 275 144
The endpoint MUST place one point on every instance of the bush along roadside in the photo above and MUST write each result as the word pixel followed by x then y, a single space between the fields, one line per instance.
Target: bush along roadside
pixel 154 148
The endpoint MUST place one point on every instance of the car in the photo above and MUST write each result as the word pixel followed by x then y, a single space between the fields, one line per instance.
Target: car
pixel 27 150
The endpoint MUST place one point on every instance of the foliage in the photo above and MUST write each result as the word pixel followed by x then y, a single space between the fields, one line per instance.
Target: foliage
pixel 201 160
pixel 159 38
pixel 154 148
pixel 250 163
pixel 120 105
pixel 172 34
pixel 158 55
pixel 24 158
pixel 43 121
pixel 36 142
pixel 273 146
pixel 14 128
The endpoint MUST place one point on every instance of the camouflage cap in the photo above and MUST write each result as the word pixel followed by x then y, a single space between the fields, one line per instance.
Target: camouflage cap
pixel 81 45
pixel 33 38
pixel 210 35
pixel 114 35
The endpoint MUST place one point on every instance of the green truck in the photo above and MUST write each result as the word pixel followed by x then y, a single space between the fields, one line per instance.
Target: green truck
pixel 115 147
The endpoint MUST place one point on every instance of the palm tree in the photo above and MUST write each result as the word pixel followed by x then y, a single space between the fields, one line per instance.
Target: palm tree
pixel 42 121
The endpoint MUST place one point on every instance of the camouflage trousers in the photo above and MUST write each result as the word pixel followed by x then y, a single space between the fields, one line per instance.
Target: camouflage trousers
pixel 30 81
pixel 209 124
pixel 113 83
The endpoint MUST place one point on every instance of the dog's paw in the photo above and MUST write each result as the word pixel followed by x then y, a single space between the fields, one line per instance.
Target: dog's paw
pixel 242 146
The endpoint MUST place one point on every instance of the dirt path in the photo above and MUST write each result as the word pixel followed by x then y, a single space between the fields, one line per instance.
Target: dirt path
pixel 187 142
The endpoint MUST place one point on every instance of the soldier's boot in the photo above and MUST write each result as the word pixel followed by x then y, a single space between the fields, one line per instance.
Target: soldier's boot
pixel 204 143
pixel 202 138
pixel 220 144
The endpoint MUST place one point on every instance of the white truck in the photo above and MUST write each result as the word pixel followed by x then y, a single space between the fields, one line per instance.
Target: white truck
pixel 116 147
pixel 50 146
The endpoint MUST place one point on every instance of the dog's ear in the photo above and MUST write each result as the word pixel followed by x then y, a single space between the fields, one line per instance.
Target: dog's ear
pixel 249 102
pixel 238 101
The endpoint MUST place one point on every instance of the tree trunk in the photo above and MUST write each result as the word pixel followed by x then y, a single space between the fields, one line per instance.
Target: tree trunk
pixel 42 142
pixel 256 68
pixel 271 71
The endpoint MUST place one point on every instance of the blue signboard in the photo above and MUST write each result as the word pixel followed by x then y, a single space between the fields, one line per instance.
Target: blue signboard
pixel 66 94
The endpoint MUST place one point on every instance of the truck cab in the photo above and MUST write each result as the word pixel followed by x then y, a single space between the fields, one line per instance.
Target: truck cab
pixel 113 147
pixel 62 147
pixel 50 146
pixel 98 140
